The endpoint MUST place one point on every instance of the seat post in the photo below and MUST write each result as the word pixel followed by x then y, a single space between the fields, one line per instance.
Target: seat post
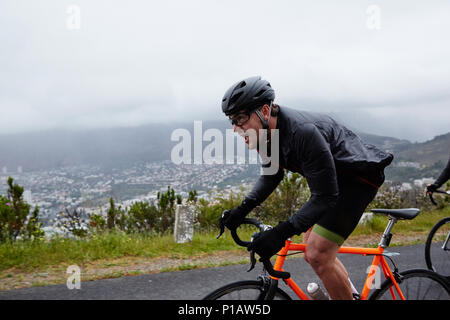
pixel 387 235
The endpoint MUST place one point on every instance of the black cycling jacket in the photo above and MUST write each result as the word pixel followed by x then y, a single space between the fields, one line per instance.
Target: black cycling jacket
pixel 324 152
pixel 444 176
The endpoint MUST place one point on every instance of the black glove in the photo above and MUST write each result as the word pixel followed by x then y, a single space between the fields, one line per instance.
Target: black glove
pixel 234 218
pixel 432 188
pixel 268 243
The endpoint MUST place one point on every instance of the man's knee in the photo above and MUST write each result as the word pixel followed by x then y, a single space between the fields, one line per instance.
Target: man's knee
pixel 319 261
pixel 306 235
pixel 320 253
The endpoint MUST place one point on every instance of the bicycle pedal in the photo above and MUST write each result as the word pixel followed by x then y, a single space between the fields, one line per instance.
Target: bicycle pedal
pixel 356 296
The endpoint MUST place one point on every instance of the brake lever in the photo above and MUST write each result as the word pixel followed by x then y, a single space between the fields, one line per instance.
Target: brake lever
pixel 222 230
pixel 222 224
pixel 430 194
pixel 252 261
pixel 432 200
pixel 252 253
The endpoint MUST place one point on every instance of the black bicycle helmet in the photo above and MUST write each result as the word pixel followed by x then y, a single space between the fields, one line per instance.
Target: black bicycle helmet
pixel 247 94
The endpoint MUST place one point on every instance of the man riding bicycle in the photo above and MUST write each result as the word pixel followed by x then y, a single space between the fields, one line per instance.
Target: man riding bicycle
pixel 443 177
pixel 342 172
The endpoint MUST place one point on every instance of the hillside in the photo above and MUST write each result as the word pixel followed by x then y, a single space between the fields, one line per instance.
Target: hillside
pixel 390 144
pixel 420 160
pixel 428 153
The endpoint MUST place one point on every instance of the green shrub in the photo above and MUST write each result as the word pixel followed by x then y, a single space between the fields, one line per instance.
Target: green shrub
pixel 15 218
pixel 72 222
pixel 209 212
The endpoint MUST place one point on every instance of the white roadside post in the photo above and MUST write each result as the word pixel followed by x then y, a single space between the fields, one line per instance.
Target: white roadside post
pixel 184 223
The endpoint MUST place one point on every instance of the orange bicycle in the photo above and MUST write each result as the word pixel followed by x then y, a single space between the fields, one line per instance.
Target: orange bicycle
pixel 416 284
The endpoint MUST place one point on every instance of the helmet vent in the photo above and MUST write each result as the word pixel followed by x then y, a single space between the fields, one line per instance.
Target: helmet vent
pixel 241 85
pixel 235 97
pixel 260 92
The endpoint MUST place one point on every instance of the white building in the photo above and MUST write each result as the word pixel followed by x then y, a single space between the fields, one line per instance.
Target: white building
pixel 27 196
pixel 423 182
pixel 405 186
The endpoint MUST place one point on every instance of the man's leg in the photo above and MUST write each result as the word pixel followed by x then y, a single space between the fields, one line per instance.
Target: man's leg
pixel 305 240
pixel 329 233
pixel 321 254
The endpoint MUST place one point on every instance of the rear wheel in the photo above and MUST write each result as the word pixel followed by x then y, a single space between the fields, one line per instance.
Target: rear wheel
pixel 416 284
pixel 245 290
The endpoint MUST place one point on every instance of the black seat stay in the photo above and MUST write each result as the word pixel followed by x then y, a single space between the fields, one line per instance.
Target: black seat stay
pixel 407 214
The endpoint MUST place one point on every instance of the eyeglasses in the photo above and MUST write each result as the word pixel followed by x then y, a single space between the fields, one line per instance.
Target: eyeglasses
pixel 241 118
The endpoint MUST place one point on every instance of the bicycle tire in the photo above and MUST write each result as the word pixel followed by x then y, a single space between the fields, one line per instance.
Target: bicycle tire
pixel 416 284
pixel 244 290
pixel 433 249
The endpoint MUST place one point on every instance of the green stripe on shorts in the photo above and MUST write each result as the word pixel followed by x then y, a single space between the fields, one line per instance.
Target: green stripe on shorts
pixel 327 234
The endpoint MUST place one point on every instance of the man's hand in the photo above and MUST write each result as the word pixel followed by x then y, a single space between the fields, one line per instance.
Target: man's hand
pixel 431 188
pixel 233 218
pixel 268 243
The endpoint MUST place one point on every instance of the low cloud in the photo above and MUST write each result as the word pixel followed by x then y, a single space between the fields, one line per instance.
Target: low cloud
pixel 148 61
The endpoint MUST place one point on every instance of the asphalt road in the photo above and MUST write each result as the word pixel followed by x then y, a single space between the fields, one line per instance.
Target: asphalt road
pixel 195 284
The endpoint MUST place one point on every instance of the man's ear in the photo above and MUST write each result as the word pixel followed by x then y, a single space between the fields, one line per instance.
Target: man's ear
pixel 266 111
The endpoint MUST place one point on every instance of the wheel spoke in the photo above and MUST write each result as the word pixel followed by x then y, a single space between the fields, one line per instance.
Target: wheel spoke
pixel 416 285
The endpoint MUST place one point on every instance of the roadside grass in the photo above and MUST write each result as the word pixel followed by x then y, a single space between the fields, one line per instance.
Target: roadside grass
pixel 25 256
pixel 421 224
pixel 28 256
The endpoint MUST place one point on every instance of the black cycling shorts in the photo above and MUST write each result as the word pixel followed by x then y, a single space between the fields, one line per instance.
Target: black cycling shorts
pixel 354 197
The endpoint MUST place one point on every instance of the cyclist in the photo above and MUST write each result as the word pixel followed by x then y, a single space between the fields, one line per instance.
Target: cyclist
pixel 342 172
pixel 443 177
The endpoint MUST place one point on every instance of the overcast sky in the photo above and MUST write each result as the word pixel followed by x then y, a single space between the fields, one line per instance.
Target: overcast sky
pixel 381 66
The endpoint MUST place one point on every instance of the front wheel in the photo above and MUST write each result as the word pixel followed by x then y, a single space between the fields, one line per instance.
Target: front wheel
pixel 437 248
pixel 416 284
pixel 245 290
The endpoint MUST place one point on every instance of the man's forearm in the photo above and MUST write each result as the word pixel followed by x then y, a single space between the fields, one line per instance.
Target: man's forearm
pixel 264 186
pixel 445 175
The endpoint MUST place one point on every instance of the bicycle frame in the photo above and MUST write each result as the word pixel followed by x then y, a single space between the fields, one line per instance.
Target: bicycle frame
pixel 377 261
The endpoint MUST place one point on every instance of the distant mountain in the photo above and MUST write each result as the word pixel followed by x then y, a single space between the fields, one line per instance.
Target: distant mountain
pixel 105 147
pixel 413 160
pixel 108 148
pixel 420 160
pixel 429 152
pixel 390 144
pixel 120 147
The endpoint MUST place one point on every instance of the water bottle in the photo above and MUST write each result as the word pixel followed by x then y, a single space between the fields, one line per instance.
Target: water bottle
pixel 316 292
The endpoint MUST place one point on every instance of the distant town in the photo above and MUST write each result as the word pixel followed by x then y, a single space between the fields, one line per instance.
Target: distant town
pixel 90 187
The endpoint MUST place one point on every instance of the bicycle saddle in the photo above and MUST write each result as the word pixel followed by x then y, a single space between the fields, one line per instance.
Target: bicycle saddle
pixel 407 214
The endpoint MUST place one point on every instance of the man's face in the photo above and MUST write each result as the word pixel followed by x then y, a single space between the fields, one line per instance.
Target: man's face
pixel 248 129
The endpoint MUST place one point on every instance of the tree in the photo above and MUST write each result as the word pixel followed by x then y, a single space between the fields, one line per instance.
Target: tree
pixel 111 215
pixel 192 198
pixel 73 222
pixel 142 216
pixel 15 220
